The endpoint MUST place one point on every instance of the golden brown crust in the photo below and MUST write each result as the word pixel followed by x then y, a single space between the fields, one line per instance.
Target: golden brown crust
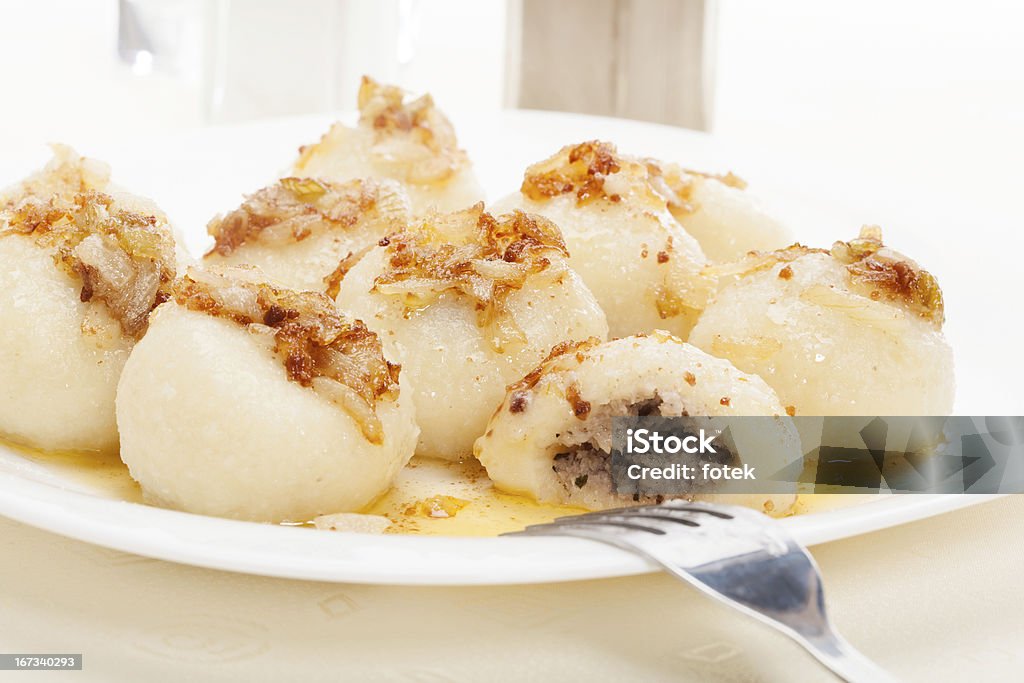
pixel 889 275
pixel 311 338
pixel 581 169
pixel 293 209
pixel 470 252
pixel 124 259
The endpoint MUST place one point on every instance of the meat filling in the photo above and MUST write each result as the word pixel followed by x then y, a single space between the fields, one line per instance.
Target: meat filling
pixel 583 464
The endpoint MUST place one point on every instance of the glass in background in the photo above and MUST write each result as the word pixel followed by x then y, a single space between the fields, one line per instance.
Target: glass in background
pixel 265 58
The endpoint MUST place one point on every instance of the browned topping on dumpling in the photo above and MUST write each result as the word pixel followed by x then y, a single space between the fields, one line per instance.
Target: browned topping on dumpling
pixel 412 134
pixel 293 209
pixel 470 252
pixel 386 108
pixel 890 274
pixel 124 258
pixel 581 169
pixel 339 358
pixel 580 408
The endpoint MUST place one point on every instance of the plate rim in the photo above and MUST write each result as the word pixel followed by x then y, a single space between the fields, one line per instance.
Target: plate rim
pixel 390 559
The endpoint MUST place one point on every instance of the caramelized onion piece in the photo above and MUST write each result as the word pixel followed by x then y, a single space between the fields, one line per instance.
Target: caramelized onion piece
pixel 340 359
pixel 891 275
pixel 411 136
pixel 124 259
pixel 582 169
pixel 473 253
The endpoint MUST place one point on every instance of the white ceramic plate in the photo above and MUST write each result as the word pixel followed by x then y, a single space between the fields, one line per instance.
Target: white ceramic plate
pixel 195 175
pixel 33 495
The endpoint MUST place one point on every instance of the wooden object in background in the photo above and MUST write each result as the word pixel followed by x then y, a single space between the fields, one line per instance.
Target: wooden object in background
pixel 640 59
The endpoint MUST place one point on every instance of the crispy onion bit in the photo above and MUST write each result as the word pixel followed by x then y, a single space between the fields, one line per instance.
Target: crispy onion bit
pixel 891 275
pixel 581 169
pixel 340 359
pixel 411 135
pixel 293 209
pixel 124 259
pixel 470 251
pixel 475 254
pixel 437 507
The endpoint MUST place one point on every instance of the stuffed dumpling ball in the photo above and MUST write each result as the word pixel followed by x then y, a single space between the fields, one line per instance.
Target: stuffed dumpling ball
pixel 468 302
pixel 252 402
pixel 404 139
pixel 644 269
pixel 81 267
pixel 855 330
pixel 551 439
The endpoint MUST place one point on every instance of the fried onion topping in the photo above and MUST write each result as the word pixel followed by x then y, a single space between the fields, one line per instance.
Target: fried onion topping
pixel 124 258
pixel 293 209
pixel 890 275
pixel 319 347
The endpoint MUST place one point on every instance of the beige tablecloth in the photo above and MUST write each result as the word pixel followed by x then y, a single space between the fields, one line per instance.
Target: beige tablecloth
pixel 937 600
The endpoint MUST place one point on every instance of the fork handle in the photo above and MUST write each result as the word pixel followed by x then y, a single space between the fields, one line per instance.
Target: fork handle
pixel 828 647
pixel 844 660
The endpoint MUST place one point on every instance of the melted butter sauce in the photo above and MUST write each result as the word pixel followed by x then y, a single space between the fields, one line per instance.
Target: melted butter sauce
pixel 486 512
pixel 101 474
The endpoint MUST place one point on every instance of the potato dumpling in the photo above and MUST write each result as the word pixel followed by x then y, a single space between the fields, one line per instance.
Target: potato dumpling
pixel 467 303
pixel 852 331
pixel 80 270
pixel 410 141
pixel 643 267
pixel 551 439
pixel 726 221
pixel 298 229
pixel 252 402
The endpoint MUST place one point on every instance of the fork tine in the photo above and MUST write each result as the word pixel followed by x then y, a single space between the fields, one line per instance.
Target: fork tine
pixel 637 515
pixel 599 521
pixel 663 510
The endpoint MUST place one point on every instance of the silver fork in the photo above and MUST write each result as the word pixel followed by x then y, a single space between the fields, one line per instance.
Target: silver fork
pixel 739 556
